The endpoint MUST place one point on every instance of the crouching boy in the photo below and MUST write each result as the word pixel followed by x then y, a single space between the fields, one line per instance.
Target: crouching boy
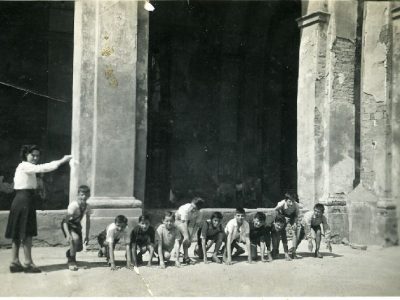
pixel 210 232
pixel 258 233
pixel 237 230
pixel 311 229
pixel 277 232
pixel 114 233
pixel 142 240
pixel 167 240
pixel 72 227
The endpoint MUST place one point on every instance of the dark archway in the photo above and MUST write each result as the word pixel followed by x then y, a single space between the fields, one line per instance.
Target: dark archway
pixel 222 102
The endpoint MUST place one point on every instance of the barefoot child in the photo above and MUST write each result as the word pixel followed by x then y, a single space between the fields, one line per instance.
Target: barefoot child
pixel 72 227
pixel 187 215
pixel 210 232
pixel 108 238
pixel 289 208
pixel 277 232
pixel 258 234
pixel 311 229
pixel 237 230
pixel 142 239
pixel 167 240
pixel 21 224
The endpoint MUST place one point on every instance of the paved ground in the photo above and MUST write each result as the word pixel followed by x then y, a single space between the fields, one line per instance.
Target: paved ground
pixel 347 272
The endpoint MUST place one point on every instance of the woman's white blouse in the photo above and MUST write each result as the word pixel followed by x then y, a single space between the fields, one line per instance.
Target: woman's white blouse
pixel 25 174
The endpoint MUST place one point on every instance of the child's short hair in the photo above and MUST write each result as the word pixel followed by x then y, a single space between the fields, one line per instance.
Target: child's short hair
pixel 280 219
pixel 198 202
pixel 320 207
pixel 240 210
pixel 216 215
pixel 260 216
pixel 84 189
pixel 26 149
pixel 169 214
pixel 121 219
pixel 144 218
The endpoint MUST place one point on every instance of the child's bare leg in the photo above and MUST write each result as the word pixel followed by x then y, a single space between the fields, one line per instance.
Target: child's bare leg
pixel 318 243
pixel 15 251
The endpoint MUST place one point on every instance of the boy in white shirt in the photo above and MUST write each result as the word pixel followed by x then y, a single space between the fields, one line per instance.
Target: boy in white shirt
pixel 237 230
pixel 72 227
pixel 114 233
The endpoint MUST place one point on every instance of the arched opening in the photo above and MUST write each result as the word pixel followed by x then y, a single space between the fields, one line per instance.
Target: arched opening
pixel 222 102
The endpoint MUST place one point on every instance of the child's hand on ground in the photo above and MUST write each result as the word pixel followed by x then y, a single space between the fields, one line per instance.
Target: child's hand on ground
pixel 310 245
pixel 162 265
pixel 287 257
pixel 329 246
pixel 113 267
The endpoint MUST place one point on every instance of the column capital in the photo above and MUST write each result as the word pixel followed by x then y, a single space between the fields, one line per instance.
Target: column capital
pixel 317 17
pixel 396 13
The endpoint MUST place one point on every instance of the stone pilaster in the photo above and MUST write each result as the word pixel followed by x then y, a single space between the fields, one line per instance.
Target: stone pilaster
pixel 326 112
pixel 311 95
pixel 104 107
pixel 395 109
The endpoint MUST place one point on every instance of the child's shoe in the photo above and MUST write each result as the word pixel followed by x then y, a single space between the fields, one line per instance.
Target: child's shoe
pixel 72 266
pixel 16 267
pixel 32 269
pixel 238 252
pixel 100 253
pixel 317 254
pixel 187 260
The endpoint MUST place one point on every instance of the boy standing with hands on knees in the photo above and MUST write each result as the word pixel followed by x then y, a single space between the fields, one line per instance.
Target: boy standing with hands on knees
pixel 72 227
pixel 185 216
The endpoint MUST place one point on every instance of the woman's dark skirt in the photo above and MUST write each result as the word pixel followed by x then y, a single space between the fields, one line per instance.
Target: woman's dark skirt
pixel 22 218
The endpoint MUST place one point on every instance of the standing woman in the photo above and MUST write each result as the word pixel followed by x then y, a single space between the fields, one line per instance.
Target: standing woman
pixel 21 226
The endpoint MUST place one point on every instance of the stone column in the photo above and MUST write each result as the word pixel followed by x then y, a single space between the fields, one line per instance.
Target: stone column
pixel 104 107
pixel 311 94
pixel 378 116
pixel 395 109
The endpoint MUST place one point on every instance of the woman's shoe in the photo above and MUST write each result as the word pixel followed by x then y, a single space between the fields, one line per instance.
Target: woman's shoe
pixel 32 269
pixel 16 268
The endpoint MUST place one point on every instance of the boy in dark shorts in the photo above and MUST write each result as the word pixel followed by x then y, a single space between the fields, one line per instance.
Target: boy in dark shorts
pixel 258 234
pixel 311 229
pixel 108 238
pixel 72 227
pixel 210 232
pixel 142 239
pixel 277 232
pixel 289 208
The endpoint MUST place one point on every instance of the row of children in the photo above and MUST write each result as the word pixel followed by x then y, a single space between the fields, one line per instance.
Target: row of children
pixel 174 232
pixel 22 226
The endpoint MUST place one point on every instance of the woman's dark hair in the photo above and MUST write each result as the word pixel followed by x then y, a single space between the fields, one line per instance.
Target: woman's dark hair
pixel 26 149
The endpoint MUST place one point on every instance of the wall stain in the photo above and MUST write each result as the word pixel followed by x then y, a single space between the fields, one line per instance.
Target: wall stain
pixel 109 74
